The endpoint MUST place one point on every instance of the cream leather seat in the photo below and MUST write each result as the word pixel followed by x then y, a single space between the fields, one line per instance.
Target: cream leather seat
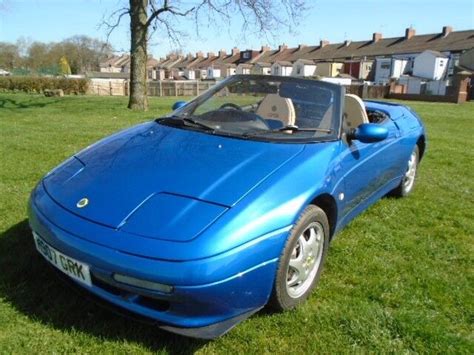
pixel 354 111
pixel 275 107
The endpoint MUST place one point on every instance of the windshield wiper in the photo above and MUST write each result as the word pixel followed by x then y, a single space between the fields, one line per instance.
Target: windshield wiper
pixel 189 121
pixel 295 128
pixel 197 123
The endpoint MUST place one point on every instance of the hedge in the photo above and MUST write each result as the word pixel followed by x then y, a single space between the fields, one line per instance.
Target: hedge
pixel 33 84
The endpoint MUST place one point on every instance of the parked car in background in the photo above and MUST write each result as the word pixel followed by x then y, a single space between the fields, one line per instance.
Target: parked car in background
pixel 198 219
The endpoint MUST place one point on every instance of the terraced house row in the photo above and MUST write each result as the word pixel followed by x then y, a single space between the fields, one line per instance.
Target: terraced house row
pixel 378 59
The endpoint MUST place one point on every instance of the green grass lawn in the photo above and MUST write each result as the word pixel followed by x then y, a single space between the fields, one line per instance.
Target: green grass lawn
pixel 399 278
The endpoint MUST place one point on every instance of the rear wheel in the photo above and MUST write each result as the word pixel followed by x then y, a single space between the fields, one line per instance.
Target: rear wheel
pixel 408 181
pixel 302 260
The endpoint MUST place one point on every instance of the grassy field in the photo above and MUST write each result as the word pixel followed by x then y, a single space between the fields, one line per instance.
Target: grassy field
pixel 399 278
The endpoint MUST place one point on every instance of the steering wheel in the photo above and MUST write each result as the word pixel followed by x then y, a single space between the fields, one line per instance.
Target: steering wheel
pixel 230 105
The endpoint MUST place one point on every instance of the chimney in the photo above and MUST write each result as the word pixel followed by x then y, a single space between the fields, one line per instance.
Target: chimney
pixel 199 54
pixel 222 53
pixel 190 56
pixel 301 46
pixel 347 43
pixel 447 30
pixel 211 54
pixel 409 33
pixel 235 51
pixel 282 47
pixel 323 43
pixel 264 49
pixel 376 37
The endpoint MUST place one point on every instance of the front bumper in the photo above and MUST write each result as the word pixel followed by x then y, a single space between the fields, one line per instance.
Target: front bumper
pixel 202 310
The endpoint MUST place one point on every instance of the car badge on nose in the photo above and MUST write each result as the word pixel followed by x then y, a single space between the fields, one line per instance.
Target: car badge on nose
pixel 83 202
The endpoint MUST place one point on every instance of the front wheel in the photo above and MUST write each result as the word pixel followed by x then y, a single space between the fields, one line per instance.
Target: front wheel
pixel 302 260
pixel 408 181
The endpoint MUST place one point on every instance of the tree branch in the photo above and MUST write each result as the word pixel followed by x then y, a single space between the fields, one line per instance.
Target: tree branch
pixel 112 26
pixel 155 13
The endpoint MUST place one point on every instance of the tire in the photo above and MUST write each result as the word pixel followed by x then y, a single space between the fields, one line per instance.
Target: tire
pixel 290 289
pixel 408 181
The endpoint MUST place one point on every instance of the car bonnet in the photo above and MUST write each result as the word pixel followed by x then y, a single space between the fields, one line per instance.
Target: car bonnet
pixel 152 178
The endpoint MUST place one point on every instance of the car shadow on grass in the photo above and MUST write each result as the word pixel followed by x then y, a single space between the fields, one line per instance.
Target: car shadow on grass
pixel 32 287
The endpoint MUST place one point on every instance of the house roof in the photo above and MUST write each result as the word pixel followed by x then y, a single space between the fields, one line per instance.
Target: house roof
pixel 204 64
pixel 263 64
pixel 306 61
pixel 284 63
pixel 436 53
pixel 116 61
pixel 169 62
pixel 124 60
pixel 228 61
pixel 152 62
pixel 196 64
pixel 186 62
pixel 455 41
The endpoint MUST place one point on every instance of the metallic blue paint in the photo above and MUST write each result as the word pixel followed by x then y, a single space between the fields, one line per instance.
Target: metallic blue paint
pixel 370 133
pixel 178 104
pixel 207 214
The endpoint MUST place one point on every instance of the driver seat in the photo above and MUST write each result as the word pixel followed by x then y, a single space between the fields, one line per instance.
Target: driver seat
pixel 273 106
pixel 354 111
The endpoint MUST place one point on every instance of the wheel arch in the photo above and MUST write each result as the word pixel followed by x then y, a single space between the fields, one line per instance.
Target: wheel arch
pixel 421 143
pixel 328 204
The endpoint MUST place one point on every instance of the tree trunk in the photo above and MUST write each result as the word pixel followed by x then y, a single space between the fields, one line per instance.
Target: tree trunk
pixel 138 50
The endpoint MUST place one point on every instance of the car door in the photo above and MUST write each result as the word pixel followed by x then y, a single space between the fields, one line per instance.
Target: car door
pixel 368 168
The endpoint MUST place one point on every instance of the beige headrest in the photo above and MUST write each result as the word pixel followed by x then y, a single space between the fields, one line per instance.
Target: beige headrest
pixel 354 111
pixel 279 108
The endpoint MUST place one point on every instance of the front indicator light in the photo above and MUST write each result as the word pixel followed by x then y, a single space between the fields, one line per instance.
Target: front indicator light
pixel 149 285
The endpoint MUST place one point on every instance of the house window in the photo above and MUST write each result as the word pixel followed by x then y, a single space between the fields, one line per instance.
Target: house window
pixel 298 70
pixel 385 66
pixel 246 55
pixel 441 64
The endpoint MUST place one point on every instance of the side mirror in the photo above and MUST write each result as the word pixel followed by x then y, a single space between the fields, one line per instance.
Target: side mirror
pixel 178 104
pixel 369 133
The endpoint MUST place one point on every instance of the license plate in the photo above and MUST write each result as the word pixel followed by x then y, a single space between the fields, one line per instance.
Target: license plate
pixel 71 267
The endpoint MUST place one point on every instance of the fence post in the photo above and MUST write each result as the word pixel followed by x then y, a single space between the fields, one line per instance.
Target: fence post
pixel 197 88
pixel 161 89
pixel 365 91
pixel 460 85
pixel 175 88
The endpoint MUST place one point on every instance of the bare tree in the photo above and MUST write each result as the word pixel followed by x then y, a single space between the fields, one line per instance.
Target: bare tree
pixel 262 17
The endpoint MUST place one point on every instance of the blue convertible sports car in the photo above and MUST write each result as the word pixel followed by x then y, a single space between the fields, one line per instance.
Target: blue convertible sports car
pixel 198 219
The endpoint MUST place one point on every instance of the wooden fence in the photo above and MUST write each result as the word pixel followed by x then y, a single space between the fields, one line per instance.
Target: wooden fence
pixel 120 87
pixel 178 87
pixel 459 91
pixel 104 87
pixel 369 91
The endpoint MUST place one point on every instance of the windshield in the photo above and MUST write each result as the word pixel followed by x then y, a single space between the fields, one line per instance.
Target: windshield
pixel 266 107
